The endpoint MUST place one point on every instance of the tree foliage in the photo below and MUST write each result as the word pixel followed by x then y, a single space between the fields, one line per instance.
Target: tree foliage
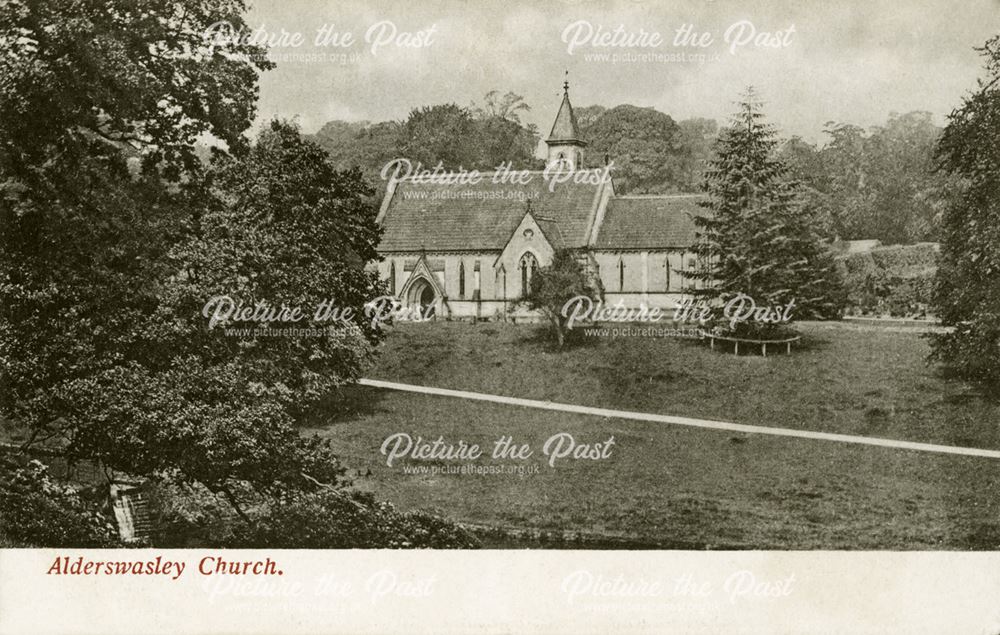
pixel 878 184
pixel 325 518
pixel 758 238
pixel 143 75
pixel 652 153
pixel 161 391
pixel 284 227
pixel 896 280
pixel 83 240
pixel 968 280
pixel 481 137
pixel 105 351
pixel 444 133
pixel 641 141
pixel 39 511
pixel 496 106
pixel 556 284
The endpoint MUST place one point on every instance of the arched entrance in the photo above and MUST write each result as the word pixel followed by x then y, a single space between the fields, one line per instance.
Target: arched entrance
pixel 422 297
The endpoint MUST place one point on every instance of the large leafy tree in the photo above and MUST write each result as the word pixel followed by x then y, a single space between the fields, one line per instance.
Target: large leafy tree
pixel 361 145
pixel 507 106
pixel 652 153
pixel 501 136
pixel 284 228
pixel 968 280
pixel 881 183
pixel 503 140
pixel 105 267
pixel 642 142
pixel 217 405
pixel 909 196
pixel 113 236
pixel 479 137
pixel 145 75
pixel 757 237
pixel 696 138
pixel 442 133
pixel 86 88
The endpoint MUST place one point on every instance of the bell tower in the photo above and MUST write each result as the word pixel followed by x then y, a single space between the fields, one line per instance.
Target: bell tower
pixel 564 143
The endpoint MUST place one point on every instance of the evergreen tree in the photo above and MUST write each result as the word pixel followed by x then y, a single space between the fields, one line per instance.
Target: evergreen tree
pixel 757 237
pixel 968 279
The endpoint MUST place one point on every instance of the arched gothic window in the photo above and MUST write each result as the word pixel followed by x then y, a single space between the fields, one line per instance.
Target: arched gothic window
pixel 461 279
pixel 392 278
pixel 621 274
pixel 528 264
pixel 692 266
pixel 501 280
pixel 666 270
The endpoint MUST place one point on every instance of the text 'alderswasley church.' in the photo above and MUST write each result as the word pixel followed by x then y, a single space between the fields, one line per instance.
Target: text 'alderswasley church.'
pixel 470 250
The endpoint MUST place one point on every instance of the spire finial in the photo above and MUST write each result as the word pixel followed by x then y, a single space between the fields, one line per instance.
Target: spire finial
pixel 566 83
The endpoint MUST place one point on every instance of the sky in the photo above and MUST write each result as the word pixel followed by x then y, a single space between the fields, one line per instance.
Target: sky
pixel 849 61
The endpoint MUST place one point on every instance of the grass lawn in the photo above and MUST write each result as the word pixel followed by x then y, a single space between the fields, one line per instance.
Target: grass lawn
pixel 673 486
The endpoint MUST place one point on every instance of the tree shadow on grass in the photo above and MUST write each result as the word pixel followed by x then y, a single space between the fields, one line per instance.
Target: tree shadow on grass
pixel 982 536
pixel 345 404
pixel 959 390
pixel 542 337
pixel 811 343
pixel 808 343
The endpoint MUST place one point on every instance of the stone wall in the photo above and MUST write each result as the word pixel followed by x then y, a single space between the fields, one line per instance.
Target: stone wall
pixel 645 277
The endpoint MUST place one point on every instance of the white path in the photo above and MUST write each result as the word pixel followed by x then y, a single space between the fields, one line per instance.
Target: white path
pixel 683 421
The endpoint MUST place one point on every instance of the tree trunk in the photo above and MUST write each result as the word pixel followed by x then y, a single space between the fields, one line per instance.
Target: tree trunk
pixel 235 504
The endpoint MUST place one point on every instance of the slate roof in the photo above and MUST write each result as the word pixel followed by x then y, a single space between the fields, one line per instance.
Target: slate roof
pixel 483 216
pixel 565 128
pixel 649 222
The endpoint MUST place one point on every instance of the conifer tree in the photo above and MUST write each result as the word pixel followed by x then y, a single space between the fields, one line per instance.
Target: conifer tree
pixel 757 237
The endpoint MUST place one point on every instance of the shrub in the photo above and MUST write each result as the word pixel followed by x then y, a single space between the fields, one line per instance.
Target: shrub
pixel 971 350
pixel 425 530
pixel 329 519
pixel 906 259
pixel 188 516
pixel 38 511
pixel 191 516
pixel 896 280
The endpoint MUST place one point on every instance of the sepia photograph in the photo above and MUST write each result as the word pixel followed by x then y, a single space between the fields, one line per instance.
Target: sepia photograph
pixel 628 279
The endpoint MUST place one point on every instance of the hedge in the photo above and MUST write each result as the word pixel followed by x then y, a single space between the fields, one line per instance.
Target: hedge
pixel 896 281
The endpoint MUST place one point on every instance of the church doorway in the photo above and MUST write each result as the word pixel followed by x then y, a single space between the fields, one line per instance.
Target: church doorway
pixel 423 298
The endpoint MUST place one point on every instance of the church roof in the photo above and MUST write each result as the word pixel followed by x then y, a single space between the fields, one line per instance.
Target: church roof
pixel 483 216
pixel 650 222
pixel 565 128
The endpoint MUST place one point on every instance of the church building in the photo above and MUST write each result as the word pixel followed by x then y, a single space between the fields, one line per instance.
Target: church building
pixel 468 251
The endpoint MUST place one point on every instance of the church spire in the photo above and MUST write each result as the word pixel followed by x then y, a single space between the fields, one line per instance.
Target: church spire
pixel 564 142
pixel 565 128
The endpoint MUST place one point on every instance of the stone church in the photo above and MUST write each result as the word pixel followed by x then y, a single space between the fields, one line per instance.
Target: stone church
pixel 466 251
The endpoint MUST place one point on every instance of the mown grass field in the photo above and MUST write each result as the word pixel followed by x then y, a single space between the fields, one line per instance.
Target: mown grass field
pixel 673 486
